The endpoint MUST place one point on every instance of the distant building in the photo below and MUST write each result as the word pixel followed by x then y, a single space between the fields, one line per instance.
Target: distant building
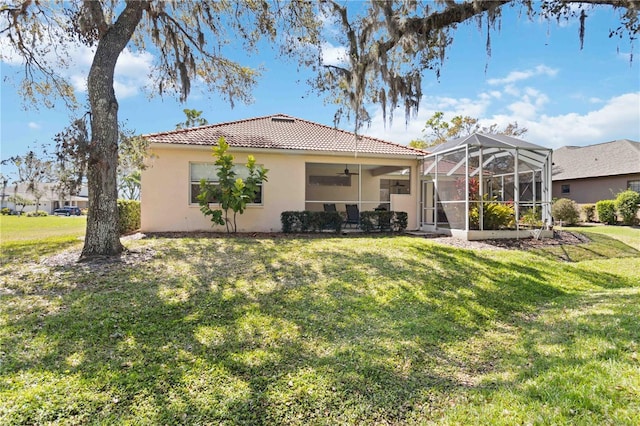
pixel 51 198
pixel 592 173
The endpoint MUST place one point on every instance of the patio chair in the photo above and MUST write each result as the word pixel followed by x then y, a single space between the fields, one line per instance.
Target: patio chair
pixel 331 207
pixel 353 215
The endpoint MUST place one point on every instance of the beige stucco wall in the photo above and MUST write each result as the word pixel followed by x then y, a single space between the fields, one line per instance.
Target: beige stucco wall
pixel 592 190
pixel 165 188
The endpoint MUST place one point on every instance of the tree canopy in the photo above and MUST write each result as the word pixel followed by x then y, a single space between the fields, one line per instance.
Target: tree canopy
pixel 437 130
pixel 389 47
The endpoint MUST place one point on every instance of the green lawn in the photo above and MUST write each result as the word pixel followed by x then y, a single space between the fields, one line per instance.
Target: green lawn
pixel 24 237
pixel 363 330
pixel 626 234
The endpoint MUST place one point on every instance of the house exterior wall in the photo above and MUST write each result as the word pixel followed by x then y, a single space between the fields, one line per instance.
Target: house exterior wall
pixel 592 190
pixel 165 188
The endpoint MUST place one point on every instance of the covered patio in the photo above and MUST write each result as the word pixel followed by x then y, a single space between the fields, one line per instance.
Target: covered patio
pixel 383 186
pixel 487 186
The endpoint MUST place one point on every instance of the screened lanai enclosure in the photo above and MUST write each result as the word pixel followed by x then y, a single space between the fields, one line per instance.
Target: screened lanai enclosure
pixel 487 186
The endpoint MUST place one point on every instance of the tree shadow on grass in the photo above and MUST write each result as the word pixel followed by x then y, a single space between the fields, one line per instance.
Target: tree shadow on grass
pixel 600 247
pixel 261 331
pixel 573 363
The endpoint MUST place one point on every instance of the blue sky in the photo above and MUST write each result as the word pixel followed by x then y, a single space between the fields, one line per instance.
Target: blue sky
pixel 536 75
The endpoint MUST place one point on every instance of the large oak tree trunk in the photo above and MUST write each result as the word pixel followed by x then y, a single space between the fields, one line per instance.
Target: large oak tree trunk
pixel 102 236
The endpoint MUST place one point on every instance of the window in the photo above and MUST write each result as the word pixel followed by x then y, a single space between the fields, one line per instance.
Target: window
pixel 208 172
pixel 634 185
pixel 566 189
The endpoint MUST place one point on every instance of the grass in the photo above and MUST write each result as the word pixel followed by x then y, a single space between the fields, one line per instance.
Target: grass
pixel 628 235
pixel 606 242
pixel 30 238
pixel 367 330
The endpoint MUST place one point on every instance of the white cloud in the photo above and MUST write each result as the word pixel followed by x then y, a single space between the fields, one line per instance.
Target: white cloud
pixel 616 118
pixel 514 76
pixel 33 125
pixel 73 60
pixel 333 55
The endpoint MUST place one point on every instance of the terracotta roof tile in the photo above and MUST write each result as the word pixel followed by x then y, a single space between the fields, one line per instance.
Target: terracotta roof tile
pixel 282 132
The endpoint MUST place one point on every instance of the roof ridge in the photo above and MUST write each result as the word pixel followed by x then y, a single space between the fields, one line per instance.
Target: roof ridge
pixel 357 134
pixel 634 144
pixel 225 123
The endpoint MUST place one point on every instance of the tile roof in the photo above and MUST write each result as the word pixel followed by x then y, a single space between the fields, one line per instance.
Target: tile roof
pixel 605 159
pixel 282 132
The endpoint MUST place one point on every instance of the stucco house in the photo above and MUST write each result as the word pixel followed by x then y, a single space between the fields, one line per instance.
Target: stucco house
pixel 313 167
pixel 597 172
pixel 309 165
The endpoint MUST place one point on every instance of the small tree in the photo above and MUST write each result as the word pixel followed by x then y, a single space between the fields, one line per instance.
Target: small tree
pixel 230 192
pixel 565 210
pixel 20 201
pixel 193 119
pixel 607 211
pixel 33 170
pixel 627 205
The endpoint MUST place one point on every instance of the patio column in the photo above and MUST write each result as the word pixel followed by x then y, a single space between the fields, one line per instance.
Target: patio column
pixel 480 190
pixel 516 189
pixel 466 188
pixel 359 187
pixel 546 177
pixel 436 196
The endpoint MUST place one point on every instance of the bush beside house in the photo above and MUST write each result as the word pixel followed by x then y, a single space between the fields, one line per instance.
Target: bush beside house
pixel 128 216
pixel 317 221
pixel 566 211
pixel 626 204
pixel 607 211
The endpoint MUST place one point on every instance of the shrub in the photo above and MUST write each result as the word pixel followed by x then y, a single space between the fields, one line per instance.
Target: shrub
pixel 565 210
pixel 532 217
pixel 627 205
pixel 589 211
pixel 5 211
pixel 495 216
pixel 128 216
pixel 383 221
pixel 39 213
pixel 312 221
pixel 308 221
pixel 607 211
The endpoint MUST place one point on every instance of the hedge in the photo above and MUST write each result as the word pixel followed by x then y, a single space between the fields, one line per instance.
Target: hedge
pixel 128 216
pixel 607 211
pixel 308 221
pixel 317 221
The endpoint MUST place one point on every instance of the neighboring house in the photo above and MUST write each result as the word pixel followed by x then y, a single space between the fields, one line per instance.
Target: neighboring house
pixel 49 201
pixel 309 165
pixel 596 172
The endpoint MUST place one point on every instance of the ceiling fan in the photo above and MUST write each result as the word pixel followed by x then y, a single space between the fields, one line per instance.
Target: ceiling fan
pixel 346 172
